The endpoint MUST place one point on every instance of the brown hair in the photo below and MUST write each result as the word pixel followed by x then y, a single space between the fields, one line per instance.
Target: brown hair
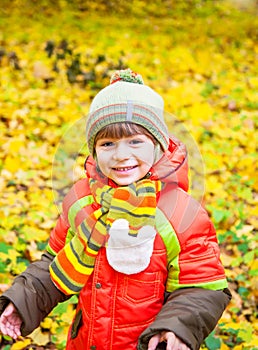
pixel 123 129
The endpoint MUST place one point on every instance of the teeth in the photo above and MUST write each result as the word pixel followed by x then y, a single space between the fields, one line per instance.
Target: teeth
pixel 124 169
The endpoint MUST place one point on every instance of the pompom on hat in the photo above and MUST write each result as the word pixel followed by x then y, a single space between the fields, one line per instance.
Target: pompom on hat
pixel 127 99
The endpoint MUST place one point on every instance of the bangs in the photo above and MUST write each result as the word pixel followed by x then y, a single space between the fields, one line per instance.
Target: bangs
pixel 123 129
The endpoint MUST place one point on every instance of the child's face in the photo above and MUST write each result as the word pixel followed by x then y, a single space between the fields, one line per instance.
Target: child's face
pixel 125 160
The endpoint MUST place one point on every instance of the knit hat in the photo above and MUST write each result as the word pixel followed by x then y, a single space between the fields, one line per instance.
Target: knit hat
pixel 127 99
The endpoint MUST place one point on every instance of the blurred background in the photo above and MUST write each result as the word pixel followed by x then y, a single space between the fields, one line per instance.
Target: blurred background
pixel 200 55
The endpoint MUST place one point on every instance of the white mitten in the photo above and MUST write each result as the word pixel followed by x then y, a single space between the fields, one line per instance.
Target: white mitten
pixel 126 253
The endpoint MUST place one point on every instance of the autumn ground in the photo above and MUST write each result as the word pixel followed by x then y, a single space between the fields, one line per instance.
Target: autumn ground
pixel 200 55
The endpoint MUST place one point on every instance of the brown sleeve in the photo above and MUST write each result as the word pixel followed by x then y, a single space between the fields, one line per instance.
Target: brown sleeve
pixel 191 313
pixel 33 294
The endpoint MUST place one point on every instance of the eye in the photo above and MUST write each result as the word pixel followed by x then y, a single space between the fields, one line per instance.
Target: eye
pixel 136 141
pixel 107 144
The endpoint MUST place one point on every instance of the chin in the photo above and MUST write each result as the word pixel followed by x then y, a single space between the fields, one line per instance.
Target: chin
pixel 125 182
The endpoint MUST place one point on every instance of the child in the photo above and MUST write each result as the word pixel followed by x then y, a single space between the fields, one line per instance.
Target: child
pixel 141 253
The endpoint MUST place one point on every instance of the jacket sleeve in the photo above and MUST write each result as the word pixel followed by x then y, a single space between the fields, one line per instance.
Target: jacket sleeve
pixel 33 294
pixel 191 313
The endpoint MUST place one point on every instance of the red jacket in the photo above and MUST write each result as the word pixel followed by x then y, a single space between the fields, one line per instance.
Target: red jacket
pixel 116 308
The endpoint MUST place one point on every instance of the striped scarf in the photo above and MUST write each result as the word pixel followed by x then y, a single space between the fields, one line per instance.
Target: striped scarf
pixel 135 203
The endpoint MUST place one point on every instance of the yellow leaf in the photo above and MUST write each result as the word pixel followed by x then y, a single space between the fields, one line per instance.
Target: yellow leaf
pixel 46 323
pixel 39 337
pixel 224 347
pixel 21 344
pixel 15 146
pixel 226 259
pixel 200 112
pixel 254 343
pixel 254 283
pixel 254 265
pixel 12 164
pixel 34 253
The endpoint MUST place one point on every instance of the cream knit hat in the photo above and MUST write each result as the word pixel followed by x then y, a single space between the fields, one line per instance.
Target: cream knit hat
pixel 127 99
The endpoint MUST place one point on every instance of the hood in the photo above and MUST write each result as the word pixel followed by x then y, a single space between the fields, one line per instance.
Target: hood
pixel 173 165
pixel 171 168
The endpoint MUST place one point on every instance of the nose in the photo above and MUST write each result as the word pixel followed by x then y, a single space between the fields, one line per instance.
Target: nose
pixel 121 151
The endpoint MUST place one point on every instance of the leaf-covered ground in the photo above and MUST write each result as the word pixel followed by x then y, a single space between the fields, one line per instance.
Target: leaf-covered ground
pixel 200 55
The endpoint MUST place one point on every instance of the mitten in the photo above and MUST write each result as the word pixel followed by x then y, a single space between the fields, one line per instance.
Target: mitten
pixel 126 253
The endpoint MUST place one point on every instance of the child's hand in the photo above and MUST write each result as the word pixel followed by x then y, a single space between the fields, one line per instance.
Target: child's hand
pixel 173 343
pixel 10 322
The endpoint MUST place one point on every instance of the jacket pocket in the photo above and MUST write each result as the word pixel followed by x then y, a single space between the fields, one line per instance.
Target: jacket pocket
pixel 145 286
pixel 77 322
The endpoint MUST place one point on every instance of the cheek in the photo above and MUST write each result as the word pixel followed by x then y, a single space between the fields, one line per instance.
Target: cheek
pixel 147 154
pixel 101 158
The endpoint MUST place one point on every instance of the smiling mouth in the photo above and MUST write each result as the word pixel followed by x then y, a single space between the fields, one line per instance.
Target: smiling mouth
pixel 127 168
